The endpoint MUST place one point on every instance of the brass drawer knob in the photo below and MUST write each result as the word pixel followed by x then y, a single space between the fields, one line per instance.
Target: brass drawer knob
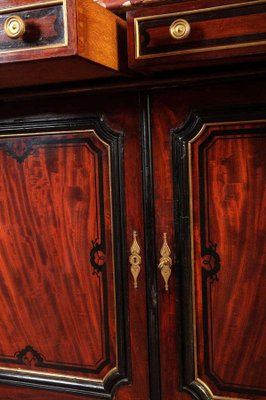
pixel 179 29
pixel 14 27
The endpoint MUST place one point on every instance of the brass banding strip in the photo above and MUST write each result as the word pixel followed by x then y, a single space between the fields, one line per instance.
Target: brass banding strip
pixel 53 46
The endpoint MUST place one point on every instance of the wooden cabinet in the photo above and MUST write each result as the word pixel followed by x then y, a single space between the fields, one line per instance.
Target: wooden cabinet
pixel 225 167
pixel 183 35
pixel 215 168
pixel 132 225
pixel 44 42
pixel 57 248
pixel 69 307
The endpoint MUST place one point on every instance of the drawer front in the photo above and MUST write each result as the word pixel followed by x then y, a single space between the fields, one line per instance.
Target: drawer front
pixel 201 34
pixel 42 25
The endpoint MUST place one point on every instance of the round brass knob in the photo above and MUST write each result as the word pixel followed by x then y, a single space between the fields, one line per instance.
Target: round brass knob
pixel 14 27
pixel 179 29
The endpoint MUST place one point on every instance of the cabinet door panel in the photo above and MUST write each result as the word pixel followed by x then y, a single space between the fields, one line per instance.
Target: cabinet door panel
pixel 91 186
pixel 222 165
pixel 59 267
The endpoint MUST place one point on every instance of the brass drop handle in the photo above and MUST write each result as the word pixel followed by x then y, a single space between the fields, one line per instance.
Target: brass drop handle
pixel 180 29
pixel 14 27
pixel 166 262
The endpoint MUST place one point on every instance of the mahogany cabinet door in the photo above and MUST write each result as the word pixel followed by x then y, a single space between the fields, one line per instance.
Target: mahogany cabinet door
pixel 224 249
pixel 210 169
pixel 66 293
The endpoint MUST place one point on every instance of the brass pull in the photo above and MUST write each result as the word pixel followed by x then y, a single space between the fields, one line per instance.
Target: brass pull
pixel 14 27
pixel 135 259
pixel 179 29
pixel 165 261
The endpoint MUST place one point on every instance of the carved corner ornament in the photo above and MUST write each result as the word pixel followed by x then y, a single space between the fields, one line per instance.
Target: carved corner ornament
pixel 166 262
pixel 135 259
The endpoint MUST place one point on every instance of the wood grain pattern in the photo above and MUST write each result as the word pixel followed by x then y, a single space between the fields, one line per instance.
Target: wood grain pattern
pixel 172 108
pixel 96 47
pixel 52 212
pixel 170 327
pixel 120 6
pixel 230 279
pixel 5 4
pixel 127 115
pixel 121 115
pixel 206 32
pixel 101 36
pixel 218 35
pixel 51 71
pixel 32 52
pixel 43 27
pixel 168 310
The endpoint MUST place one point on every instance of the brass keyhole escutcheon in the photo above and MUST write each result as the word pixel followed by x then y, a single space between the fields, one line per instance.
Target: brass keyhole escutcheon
pixel 135 259
pixel 179 29
pixel 166 262
pixel 14 27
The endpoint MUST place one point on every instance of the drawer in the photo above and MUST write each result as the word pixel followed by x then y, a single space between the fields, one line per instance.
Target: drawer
pixel 183 36
pixel 29 27
pixel 59 41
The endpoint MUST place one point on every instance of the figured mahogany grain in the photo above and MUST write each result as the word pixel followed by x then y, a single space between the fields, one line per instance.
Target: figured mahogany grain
pixel 120 114
pixel 44 26
pixel 64 48
pixel 171 108
pixel 17 3
pixel 93 46
pixel 51 71
pixel 230 304
pixel 168 309
pixel 218 35
pixel 52 299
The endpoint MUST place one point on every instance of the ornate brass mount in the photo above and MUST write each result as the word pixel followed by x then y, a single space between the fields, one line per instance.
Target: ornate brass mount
pixel 135 259
pixel 165 262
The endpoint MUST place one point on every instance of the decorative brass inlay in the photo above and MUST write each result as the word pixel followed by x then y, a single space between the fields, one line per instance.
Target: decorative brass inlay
pixel 14 27
pixel 137 21
pixel 135 259
pixel 179 29
pixel 165 263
